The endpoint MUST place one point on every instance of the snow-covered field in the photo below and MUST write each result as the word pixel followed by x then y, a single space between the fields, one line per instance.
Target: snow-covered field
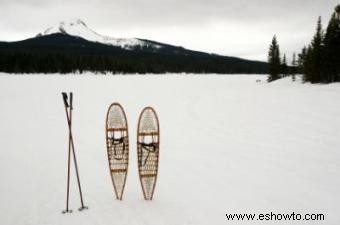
pixel 228 145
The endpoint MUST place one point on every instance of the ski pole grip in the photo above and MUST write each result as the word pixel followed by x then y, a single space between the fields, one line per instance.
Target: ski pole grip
pixel 65 99
pixel 71 100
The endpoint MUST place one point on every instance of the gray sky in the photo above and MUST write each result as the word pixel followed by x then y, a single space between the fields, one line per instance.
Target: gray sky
pixel 228 27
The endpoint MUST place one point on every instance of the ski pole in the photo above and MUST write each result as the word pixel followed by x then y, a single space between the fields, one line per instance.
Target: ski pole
pixel 74 155
pixel 71 144
pixel 68 160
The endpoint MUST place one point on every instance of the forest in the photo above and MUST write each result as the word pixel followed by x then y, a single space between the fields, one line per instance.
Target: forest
pixel 62 53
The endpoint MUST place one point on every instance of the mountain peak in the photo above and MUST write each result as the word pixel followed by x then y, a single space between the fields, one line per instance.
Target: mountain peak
pixel 71 27
pixel 78 28
pixel 74 22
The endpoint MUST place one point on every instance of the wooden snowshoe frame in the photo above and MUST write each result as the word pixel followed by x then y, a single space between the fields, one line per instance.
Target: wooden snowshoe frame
pixel 117 144
pixel 148 139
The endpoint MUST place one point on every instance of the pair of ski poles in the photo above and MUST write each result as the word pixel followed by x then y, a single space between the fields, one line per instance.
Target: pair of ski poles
pixel 68 102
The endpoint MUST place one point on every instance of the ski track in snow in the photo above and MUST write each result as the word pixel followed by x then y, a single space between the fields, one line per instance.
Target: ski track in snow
pixel 228 145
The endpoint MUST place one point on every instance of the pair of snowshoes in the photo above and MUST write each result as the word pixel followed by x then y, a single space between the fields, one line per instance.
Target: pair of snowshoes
pixel 117 142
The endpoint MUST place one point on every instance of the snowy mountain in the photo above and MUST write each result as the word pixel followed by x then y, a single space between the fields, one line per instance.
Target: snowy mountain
pixel 79 28
pixel 72 46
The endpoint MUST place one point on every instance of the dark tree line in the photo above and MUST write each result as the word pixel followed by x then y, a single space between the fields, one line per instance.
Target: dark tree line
pixel 60 53
pixel 319 62
pixel 28 62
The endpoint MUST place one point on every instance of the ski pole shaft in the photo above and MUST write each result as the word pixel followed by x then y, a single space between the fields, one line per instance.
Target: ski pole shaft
pixel 68 160
pixel 68 172
pixel 74 155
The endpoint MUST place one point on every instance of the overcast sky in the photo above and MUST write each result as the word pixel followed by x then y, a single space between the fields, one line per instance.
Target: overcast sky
pixel 229 27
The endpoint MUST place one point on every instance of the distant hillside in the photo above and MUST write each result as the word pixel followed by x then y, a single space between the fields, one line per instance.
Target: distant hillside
pixel 53 51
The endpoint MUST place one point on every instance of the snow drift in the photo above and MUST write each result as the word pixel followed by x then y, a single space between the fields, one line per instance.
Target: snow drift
pixel 228 145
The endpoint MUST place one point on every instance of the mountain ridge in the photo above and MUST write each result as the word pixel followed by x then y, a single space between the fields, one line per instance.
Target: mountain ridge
pixel 60 50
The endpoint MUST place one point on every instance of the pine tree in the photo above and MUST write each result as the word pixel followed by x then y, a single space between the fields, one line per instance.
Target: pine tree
pixel 332 50
pixel 284 66
pixel 301 60
pixel 317 54
pixel 308 65
pixel 274 60
pixel 294 65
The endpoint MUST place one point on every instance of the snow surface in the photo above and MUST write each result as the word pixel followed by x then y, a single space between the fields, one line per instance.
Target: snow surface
pixel 228 145
pixel 78 28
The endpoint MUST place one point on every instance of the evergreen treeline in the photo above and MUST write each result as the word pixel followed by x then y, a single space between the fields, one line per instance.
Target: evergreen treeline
pixel 61 53
pixel 319 62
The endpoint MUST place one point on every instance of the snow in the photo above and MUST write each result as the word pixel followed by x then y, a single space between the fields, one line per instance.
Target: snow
pixel 78 28
pixel 228 145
